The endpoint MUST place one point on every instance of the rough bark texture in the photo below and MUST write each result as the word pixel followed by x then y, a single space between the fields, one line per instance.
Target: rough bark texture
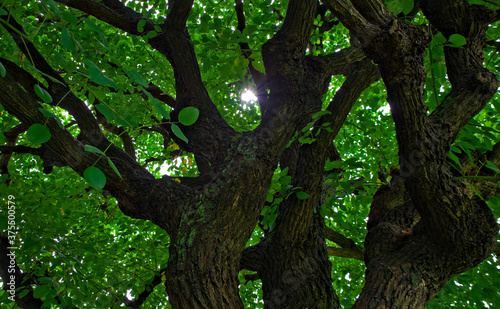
pixel 423 228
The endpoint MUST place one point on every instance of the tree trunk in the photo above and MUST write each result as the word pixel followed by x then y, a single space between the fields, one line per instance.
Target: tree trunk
pixel 405 265
pixel 217 221
pixel 297 275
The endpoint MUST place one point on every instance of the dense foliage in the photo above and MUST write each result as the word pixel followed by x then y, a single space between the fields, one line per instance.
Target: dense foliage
pixel 75 245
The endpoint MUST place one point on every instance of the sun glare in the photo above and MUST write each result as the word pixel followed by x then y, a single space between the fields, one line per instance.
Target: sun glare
pixel 248 96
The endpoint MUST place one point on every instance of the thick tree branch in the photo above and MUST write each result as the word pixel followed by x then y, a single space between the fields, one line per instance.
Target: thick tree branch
pixel 252 257
pixel 60 91
pixel 20 149
pixel 158 94
pixel 298 23
pixel 137 187
pixel 291 222
pixel 347 253
pixel 360 75
pixel 352 19
pixel 296 82
pixel 472 84
pixel 340 239
pixel 114 12
pixel 398 48
pixel 339 62
pixel 374 11
pixel 128 190
pixel 207 137
pixel 464 102
pixel 179 13
pixel 348 246
pixel 90 131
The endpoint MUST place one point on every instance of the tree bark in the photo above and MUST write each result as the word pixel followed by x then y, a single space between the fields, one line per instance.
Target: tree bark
pixel 423 228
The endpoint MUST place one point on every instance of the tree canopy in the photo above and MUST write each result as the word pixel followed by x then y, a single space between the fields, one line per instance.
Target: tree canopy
pixel 249 154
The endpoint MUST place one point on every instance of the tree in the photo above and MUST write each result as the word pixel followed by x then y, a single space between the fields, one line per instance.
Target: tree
pixel 263 204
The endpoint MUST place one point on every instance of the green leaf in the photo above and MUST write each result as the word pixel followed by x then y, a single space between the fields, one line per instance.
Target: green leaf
pixel 43 94
pixel 93 26
pixel 24 293
pixel 41 291
pixel 38 133
pixel 269 197
pixel 321 113
pixel 67 39
pixel 91 148
pixel 259 66
pixel 454 158
pixel 97 30
pixel 407 6
pixel 95 177
pixel 177 131
pixel 60 58
pixel 3 12
pixel 151 34
pixel 477 192
pixel 439 38
pixel 48 114
pixel 127 121
pixel 160 109
pixel 113 166
pixel 106 111
pixel 136 77
pixel 69 17
pixel 302 195
pixel 101 79
pixel 457 40
pixel 157 105
pixel 492 166
pixel 44 280
pixel 3 71
pixel 140 25
pixel 189 115
pixel 330 165
pixel 53 6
